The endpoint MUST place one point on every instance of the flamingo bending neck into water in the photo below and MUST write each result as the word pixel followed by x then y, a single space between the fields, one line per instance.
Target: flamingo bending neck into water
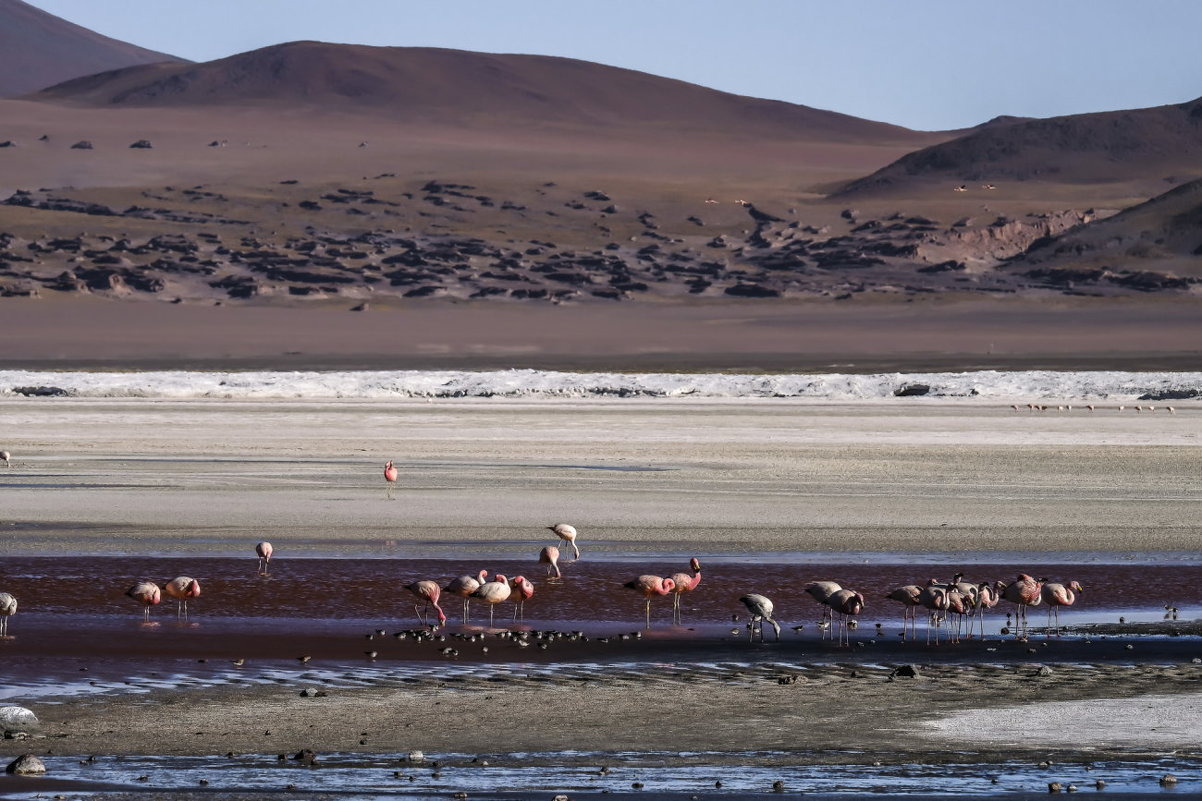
pixel 761 609
pixel 428 591
pixel 549 556
pixel 264 550
pixel 567 533
pixel 8 608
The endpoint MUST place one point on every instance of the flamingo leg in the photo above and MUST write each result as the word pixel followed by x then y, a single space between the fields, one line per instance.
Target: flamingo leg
pixel 492 608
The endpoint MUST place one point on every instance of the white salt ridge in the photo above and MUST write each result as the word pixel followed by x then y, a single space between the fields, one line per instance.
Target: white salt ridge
pixel 1025 386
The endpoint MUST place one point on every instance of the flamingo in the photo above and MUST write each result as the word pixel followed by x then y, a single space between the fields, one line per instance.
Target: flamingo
pixel 7 457
pixel 847 603
pixel 464 586
pixel 649 587
pixel 934 598
pixel 264 550
pixel 8 608
pixel 684 583
pixel 820 591
pixel 146 593
pixel 1024 591
pixel 390 476
pixel 181 589
pixel 492 593
pixel 566 533
pixel 549 556
pixel 761 609
pixel 907 595
pixel 522 590
pixel 987 598
pixel 428 591
pixel 1056 595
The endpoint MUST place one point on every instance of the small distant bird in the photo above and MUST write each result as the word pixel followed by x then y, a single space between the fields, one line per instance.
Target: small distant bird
pixel 522 590
pixel 566 533
pixel 264 550
pixel 7 457
pixel 8 608
pixel 146 593
pixel 685 582
pixel 427 591
pixel 181 589
pixel 761 609
pixel 649 587
pixel 390 476
pixel 549 556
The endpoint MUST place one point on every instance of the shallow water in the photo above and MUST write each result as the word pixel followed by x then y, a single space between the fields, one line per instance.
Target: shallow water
pixel 579 773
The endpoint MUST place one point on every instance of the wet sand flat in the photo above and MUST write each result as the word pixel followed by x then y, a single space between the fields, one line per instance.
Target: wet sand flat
pixel 635 477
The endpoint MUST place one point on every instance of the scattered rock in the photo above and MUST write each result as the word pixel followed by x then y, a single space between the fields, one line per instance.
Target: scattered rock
pixel 41 392
pixel 1044 670
pixel 906 671
pixel 82 144
pixel 911 390
pixel 17 718
pixel 416 756
pixel 26 765
pixel 305 757
pixel 142 144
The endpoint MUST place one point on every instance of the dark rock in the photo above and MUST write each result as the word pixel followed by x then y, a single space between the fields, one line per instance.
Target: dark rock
pixel 82 144
pixel 911 390
pixel 8 143
pixel 905 672
pixel 26 765
pixel 305 757
pixel 752 291
pixel 1171 394
pixel 41 392
pixel 850 214
pixel 142 144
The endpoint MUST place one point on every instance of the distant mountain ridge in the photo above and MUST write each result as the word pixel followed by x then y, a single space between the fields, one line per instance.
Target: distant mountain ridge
pixel 439 84
pixel 1112 145
pixel 38 49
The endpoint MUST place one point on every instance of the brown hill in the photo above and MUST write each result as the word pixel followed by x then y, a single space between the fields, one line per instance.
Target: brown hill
pixel 1082 149
pixel 38 49
pixel 1157 244
pixel 437 85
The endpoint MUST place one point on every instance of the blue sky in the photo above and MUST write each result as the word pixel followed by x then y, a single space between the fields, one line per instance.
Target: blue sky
pixel 926 64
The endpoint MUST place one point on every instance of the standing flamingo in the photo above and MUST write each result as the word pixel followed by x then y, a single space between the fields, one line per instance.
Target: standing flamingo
pixel 464 586
pixel 761 609
pixel 146 593
pixel 181 589
pixel 566 533
pixel 428 591
pixel 847 603
pixel 549 556
pixel 492 593
pixel 390 476
pixel 1024 591
pixel 8 608
pixel 935 600
pixel 907 595
pixel 1056 595
pixel 820 591
pixel 649 587
pixel 523 590
pixel 987 598
pixel 684 583
pixel 264 550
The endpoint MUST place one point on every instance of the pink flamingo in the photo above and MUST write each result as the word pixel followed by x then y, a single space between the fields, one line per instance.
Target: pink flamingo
pixel 428 591
pixel 146 593
pixel 987 598
pixel 907 595
pixel 684 583
pixel 492 593
pixel 567 533
pixel 847 603
pixel 549 556
pixel 1056 595
pixel 464 586
pixel 1024 591
pixel 181 589
pixel 264 550
pixel 522 590
pixel 649 587
pixel 8 608
pixel 934 598
pixel 390 476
